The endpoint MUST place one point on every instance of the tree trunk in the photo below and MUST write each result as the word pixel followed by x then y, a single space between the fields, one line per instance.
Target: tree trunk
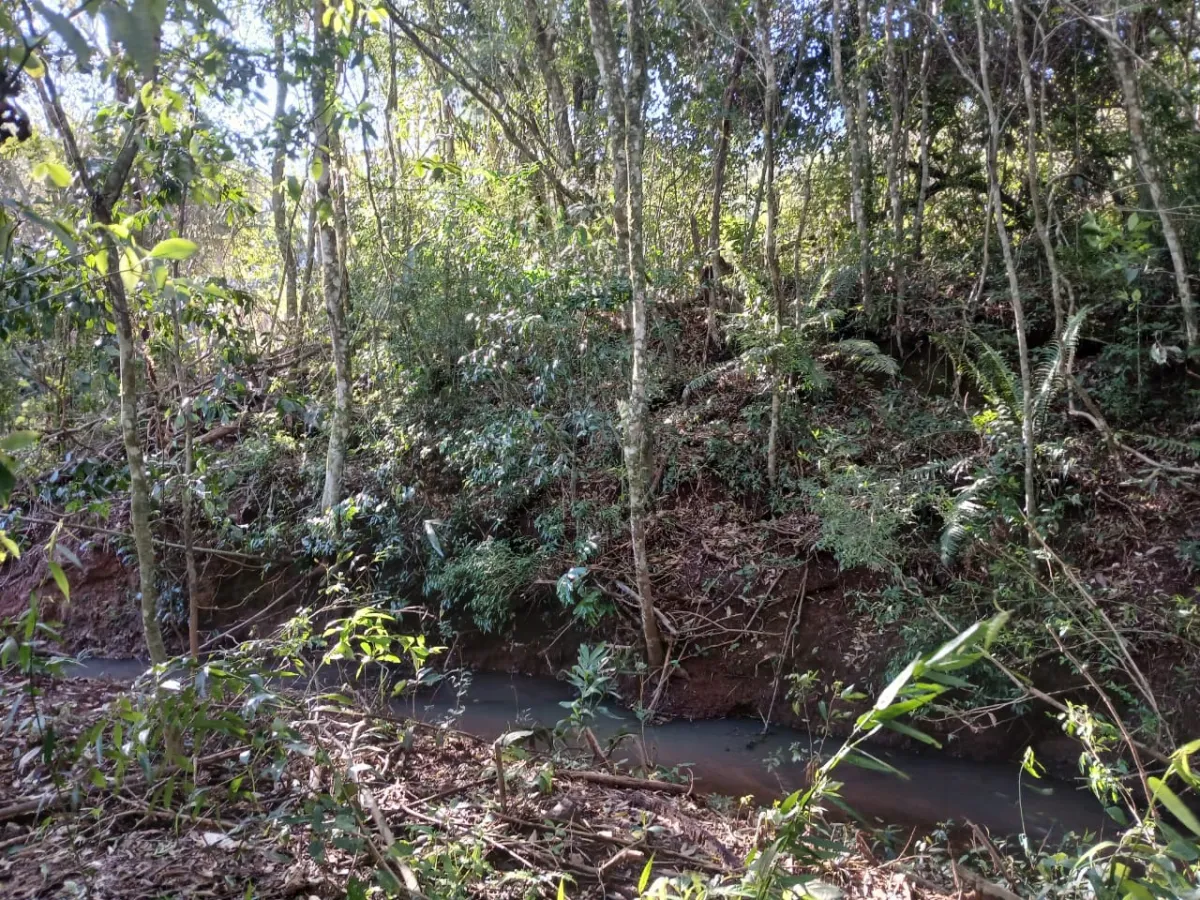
pixel 924 137
pixel 1010 268
pixel 189 468
pixel 310 252
pixel 283 235
pixel 1123 63
pixel 711 284
pixel 762 16
pixel 139 483
pixel 543 42
pixel 103 199
pixel 626 97
pixel 862 134
pixel 332 269
pixel 894 171
pixel 853 134
pixel 1040 223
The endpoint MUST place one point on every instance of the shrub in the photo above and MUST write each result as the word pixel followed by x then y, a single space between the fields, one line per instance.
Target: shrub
pixel 482 581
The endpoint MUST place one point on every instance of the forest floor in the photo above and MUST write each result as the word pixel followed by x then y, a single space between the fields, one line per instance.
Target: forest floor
pixel 426 805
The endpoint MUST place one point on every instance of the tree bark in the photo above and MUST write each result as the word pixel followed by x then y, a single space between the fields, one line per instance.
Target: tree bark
pixel 626 99
pixel 862 134
pixel 1010 268
pixel 924 137
pixel 853 134
pixel 103 200
pixel 139 483
pixel 189 468
pixel 711 284
pixel 762 16
pixel 332 269
pixel 1040 224
pixel 894 170
pixel 283 236
pixel 1123 64
pixel 543 42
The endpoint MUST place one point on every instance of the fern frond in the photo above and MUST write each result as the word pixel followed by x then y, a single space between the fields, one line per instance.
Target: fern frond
pixel 966 511
pixel 1170 446
pixel 705 379
pixel 994 376
pixel 1053 372
pixel 863 355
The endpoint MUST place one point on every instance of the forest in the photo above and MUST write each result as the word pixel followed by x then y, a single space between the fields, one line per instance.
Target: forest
pixel 600 448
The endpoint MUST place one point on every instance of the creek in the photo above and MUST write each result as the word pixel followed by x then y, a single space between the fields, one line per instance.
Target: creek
pixel 735 758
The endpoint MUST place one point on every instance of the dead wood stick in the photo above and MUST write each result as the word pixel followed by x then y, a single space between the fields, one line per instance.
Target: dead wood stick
pixel 498 756
pixel 626 781
pixel 406 874
pixel 112 532
pixel 623 855
pixel 454 789
pixel 582 834
pixel 600 756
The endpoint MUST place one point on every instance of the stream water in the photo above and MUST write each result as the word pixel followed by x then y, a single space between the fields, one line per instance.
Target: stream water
pixel 735 758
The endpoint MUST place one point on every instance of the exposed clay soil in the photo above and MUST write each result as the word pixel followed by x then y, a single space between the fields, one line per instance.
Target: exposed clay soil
pixel 102 616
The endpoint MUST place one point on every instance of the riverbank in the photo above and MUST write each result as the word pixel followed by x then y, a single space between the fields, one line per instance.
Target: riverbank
pixel 738 758
pixel 360 794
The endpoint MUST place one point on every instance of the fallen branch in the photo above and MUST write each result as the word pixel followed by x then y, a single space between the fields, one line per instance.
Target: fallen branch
pixel 112 532
pixel 626 781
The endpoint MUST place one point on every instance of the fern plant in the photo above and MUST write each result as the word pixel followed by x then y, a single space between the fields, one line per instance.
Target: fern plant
pixel 1001 420
pixel 803 351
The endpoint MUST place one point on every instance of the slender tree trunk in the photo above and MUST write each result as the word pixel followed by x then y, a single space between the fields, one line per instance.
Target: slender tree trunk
pixel 189 462
pixel 283 234
pixel 310 252
pixel 626 97
pixel 862 133
pixel 1010 268
pixel 854 135
pixel 103 199
pixel 545 56
pixel 1040 223
pixel 801 227
pixel 1123 63
pixel 924 137
pixel 895 151
pixel 139 483
pixel 762 16
pixel 712 283
pixel 332 269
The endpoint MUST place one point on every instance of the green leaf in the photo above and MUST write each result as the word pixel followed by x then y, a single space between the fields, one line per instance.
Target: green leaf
pixel 70 35
pixel 60 578
pixel 1172 802
pixel 18 440
pixel 295 188
pixel 34 67
pixel 562 889
pixel 507 740
pixel 7 546
pixel 55 173
pixel 911 732
pixel 317 169
pixel 174 248
pixel 7 480
pixel 645 876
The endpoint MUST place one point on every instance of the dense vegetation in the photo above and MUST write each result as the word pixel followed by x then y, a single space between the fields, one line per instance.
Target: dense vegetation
pixel 771 344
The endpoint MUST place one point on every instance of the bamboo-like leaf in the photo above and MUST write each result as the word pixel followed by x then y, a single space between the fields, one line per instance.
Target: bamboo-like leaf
pixel 1171 801
pixel 174 248
pixel 60 578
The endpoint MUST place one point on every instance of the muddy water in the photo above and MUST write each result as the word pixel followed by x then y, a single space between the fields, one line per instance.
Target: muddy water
pixel 733 757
